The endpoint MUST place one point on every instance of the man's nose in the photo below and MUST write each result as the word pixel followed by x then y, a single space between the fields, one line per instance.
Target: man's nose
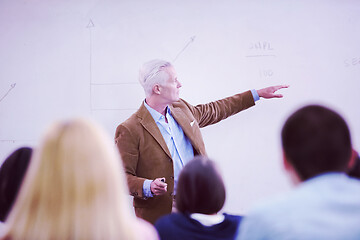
pixel 179 85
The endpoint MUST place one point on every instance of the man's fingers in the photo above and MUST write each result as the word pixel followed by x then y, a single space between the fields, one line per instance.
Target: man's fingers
pixel 159 191
pixel 160 184
pixel 281 86
pixel 159 188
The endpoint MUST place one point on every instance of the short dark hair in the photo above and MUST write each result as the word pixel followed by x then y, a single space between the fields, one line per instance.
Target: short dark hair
pixel 12 172
pixel 200 187
pixel 316 140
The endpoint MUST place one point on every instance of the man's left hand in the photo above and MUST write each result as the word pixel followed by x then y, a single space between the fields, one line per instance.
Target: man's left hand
pixel 269 92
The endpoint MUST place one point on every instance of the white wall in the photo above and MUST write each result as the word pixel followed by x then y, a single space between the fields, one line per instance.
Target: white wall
pixel 81 58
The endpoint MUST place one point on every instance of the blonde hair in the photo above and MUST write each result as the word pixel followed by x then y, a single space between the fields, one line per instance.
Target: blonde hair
pixel 74 188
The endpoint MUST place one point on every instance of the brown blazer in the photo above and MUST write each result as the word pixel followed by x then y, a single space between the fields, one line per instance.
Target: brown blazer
pixel 145 154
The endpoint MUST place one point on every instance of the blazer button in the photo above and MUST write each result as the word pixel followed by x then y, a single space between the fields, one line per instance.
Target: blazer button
pixel 172 177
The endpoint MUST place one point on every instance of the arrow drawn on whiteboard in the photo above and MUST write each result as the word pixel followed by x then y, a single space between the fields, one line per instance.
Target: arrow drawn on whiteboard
pixel 11 88
pixel 182 50
pixel 90 26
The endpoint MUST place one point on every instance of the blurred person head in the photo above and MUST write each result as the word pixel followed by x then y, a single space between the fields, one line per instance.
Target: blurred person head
pixel 315 140
pixel 74 189
pixel 200 187
pixel 12 172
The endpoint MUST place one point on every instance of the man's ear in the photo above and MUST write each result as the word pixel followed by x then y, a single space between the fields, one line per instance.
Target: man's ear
pixel 291 170
pixel 287 165
pixel 353 158
pixel 156 89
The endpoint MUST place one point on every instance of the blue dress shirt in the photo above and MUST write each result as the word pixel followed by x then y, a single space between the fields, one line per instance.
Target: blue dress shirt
pixel 178 144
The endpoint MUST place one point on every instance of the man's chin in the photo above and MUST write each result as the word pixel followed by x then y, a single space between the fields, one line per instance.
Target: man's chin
pixel 175 99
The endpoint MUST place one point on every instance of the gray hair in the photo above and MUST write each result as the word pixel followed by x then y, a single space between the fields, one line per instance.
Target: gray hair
pixel 151 73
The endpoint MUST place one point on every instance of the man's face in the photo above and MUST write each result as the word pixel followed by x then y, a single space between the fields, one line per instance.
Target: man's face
pixel 170 89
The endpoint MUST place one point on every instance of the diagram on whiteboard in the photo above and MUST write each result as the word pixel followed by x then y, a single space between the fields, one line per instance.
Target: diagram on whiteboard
pixel 12 86
pixel 263 54
pixel 114 95
pixel 183 49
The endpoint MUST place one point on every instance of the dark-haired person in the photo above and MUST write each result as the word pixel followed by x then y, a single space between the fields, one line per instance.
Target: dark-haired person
pixel 326 202
pixel 200 196
pixel 12 172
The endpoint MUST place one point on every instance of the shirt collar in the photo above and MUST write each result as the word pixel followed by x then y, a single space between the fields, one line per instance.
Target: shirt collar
pixel 155 114
pixel 208 220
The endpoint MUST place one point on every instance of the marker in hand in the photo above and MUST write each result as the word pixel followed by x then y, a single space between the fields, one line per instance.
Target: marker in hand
pixel 158 186
pixel 163 180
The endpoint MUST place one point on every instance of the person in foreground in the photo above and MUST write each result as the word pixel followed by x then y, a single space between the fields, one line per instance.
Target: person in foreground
pixel 164 134
pixel 12 172
pixel 74 189
pixel 200 196
pixel 326 202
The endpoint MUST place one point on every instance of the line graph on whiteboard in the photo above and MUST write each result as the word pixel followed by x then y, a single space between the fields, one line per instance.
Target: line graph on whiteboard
pixel 91 26
pixel 12 86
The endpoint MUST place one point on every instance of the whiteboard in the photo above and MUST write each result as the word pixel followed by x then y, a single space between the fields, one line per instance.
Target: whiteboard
pixel 61 59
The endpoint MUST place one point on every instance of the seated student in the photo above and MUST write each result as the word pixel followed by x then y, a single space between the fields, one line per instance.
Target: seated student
pixel 326 202
pixel 75 189
pixel 12 172
pixel 200 196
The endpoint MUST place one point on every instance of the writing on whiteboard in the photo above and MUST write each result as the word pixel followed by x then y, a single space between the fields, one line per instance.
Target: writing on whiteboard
pixel 261 45
pixel 262 53
pixel 260 49
pixel 266 73
pixel 355 61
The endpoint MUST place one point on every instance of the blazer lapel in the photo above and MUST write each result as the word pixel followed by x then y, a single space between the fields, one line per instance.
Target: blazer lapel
pixel 147 121
pixel 187 125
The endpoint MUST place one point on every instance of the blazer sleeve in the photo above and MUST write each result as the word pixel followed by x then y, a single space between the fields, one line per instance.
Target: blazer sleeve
pixel 127 145
pixel 213 112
